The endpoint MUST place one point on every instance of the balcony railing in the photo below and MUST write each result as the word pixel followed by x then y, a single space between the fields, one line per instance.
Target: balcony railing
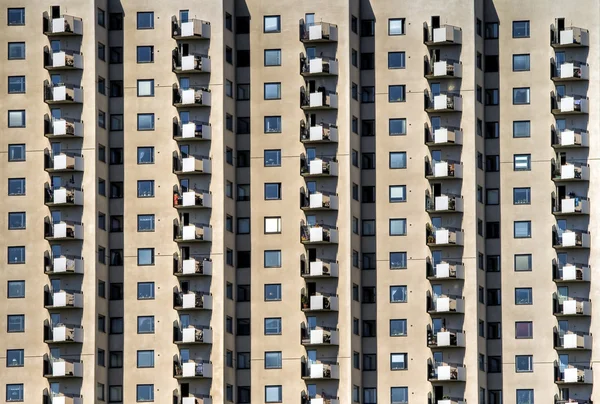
pixel 569 104
pixel 569 138
pixel 61 93
pixel 191 97
pixel 318 166
pixel 189 64
pixel 445 303
pixel 191 164
pixel 318 268
pixel 442 35
pixel 190 29
pixel 442 69
pixel 192 334
pixel 62 333
pixel 191 398
pixel 62 368
pixel 446 372
pixel 318 234
pixel 319 335
pixel 443 136
pixel 191 131
pixel 192 232
pixel 444 270
pixel 443 169
pixel 318 200
pixel 63 162
pixel 445 338
pixel 319 133
pixel 444 102
pixel 572 340
pixel 569 171
pixel 572 374
pixel 570 238
pixel 443 203
pixel 62 398
pixel 63 299
pixel 62 60
pixel 62 196
pixel 62 128
pixel 198 198
pixel 443 236
pixel 319 398
pixel 315 370
pixel 560 400
pixel 570 204
pixel 200 265
pixel 63 230
pixel 568 37
pixel 569 71
pixel 318 32
pixel 571 306
pixel 571 272
pixel 319 99
pixel 318 66
pixel 62 265
pixel 319 302
pixel 192 300
pixel 63 25
pixel 445 399
pixel 192 369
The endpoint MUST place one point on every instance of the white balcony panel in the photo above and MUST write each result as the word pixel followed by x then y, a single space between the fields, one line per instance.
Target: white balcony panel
pixel 64 264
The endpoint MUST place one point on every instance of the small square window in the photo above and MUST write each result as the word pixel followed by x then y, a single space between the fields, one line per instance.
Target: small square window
pixel 273 394
pixel 145 155
pixel 16 16
pixel 145 88
pixel 273 326
pixel 520 29
pixel 398 361
pixel 272 360
pixel 397 93
pixel 16 255
pixel 397 127
pixel 397 227
pixel 272 158
pixel 272 259
pixel 16 186
pixel 398 260
pixel 396 26
pixel 396 60
pixel 16 289
pixel 398 294
pixel 115 23
pixel 272 91
pixel 14 392
pixel 145 189
pixel 492 30
pixel 145 54
pixel 492 196
pixel 145 20
pixel 272 225
pixel 272 292
pixel 145 324
pixel 523 262
pixel 272 191
pixel 522 229
pixel 144 392
pixel 17 220
pixel 523 296
pixel 397 160
pixel 521 196
pixel 521 63
pixel 521 96
pixel 16 119
pixel 522 162
pixel 145 122
pixel 524 363
pixel 272 24
pixel 16 50
pixel 523 329
pixel 145 223
pixel 272 124
pixel 15 323
pixel 16 84
pixel 145 290
pixel 145 256
pixel 16 152
pixel 15 358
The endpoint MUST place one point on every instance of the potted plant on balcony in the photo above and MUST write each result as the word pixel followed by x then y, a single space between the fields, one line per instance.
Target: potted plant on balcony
pixel 304 301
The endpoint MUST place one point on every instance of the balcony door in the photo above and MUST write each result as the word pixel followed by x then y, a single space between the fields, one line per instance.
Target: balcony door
pixel 311 390
pixel 56 250
pixel 563 327
pixel 55 319
pixel 56 216
pixel 563 363
pixel 184 319
pixel 562 292
pixel 311 322
pixel 54 388
pixel 436 122
pixel 311 356
pixel 437 325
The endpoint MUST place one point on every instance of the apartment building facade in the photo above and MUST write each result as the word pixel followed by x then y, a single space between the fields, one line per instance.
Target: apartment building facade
pixel 305 202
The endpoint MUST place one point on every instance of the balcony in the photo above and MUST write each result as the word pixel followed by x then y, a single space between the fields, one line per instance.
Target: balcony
pixel 445 399
pixel 319 302
pixel 442 69
pixel 191 131
pixel 317 370
pixel 444 102
pixel 192 334
pixel 190 29
pixel 572 341
pixel 569 37
pixel 443 136
pixel 62 60
pixel 318 166
pixel 192 369
pixel 318 200
pixel 320 133
pixel 192 300
pixel 569 138
pixel 65 25
pixel 569 71
pixel 62 94
pixel 192 266
pixel 444 270
pixel 318 234
pixel 63 334
pixel 570 272
pixel 191 398
pixel 63 162
pixel 318 66
pixel 196 199
pixel 448 169
pixel 63 265
pixel 318 269
pixel 450 236
pixel 445 338
pixel 63 230
pixel 62 128
pixel 571 238
pixel 569 104
pixel 62 368
pixel 445 203
pixel 62 196
pixel 442 35
pixel 446 372
pixel 569 171
pixel 448 304
pixel 63 299
pixel 563 306
pixel 319 335
pixel 190 64
pixel 570 204
pixel 321 99
pixel 192 233
pixel 559 400
pixel 318 32
pixel 572 374
pixel 62 398
pixel 191 97
pixel 191 164
pixel 319 398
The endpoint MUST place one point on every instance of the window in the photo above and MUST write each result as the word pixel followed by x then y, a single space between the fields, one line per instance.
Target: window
pixel 521 96
pixel 396 60
pixel 272 394
pixel 370 395
pixel 102 119
pixel 397 193
pixel 479 63
pixel 492 130
pixel 272 91
pixel 522 162
pixel 494 297
pixel 492 96
pixel 494 364
pixel 115 394
pixel 368 161
pixel 398 361
pixel 491 32
pixel 145 88
pixel 116 123
pixel 145 290
pixel 273 326
pixel 523 363
pixel 398 260
pixel 367 61
pixel 398 328
pixel 145 155
pixel 368 194
pixel 115 23
pixel 492 196
pixel 492 163
pixel 16 220
pixel 145 121
pixel 396 26
pixel 145 324
pixel 272 191
pixel 145 392
pixel 16 84
pixel 115 55
pixel 145 54
pixel 367 28
pixel 15 323
pixel 521 196
pixel 16 255
pixel 101 51
pixel 14 392
pixel 367 94
pixel 397 93
pixel 397 127
pixel 491 63
pixel 145 256
pixel 272 360
pixel 521 129
pixel 272 225
pixel 16 289
pixel 521 63
pixel 145 189
pixel 16 119
pixel 145 20
pixel 523 329
pixel 493 263
pixel 102 85
pixel 368 227
pixel 16 16
pixel 492 230
pixel 116 291
pixel 145 359
pixel 116 189
pixel 522 229
pixel 16 152
pixel 15 358
pixel 101 20
pixel 397 227
pixel 272 158
pixel 229 87
pixel 16 50
pixel 520 29
pixel 273 292
pixel 398 294
pixel 397 159
pixel 523 262
pixel 272 259
pixel 399 395
pixel 523 296
pixel 102 289
pixel 242 26
pixel 272 24
pixel 272 124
